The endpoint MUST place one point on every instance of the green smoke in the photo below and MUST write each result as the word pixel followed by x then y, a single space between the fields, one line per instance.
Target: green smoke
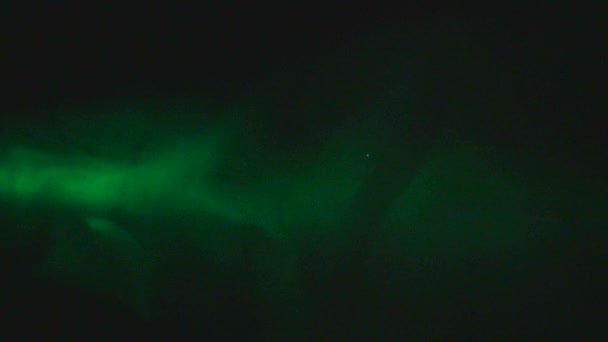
pixel 141 202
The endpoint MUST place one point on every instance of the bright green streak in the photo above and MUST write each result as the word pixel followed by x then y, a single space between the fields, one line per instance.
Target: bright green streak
pixel 187 176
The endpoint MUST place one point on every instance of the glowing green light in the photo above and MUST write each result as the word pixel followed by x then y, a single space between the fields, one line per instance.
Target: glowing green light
pixel 283 217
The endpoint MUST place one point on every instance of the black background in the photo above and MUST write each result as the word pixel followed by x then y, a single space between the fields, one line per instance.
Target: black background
pixel 550 56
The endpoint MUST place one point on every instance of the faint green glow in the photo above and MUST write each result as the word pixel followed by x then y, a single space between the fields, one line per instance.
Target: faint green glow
pixel 220 185
pixel 107 228
pixel 459 205
pixel 98 255
pixel 195 176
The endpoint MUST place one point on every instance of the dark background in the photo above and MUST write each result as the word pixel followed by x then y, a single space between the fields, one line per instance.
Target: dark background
pixel 56 54
pixel 549 56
